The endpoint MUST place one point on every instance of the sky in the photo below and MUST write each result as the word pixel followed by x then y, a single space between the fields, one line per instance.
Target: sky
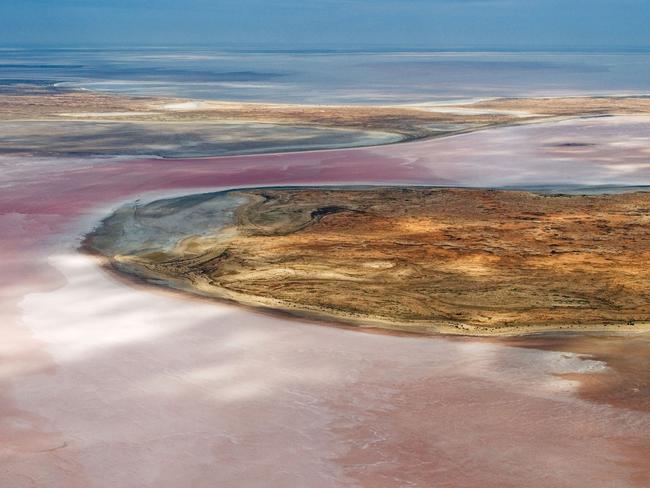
pixel 438 24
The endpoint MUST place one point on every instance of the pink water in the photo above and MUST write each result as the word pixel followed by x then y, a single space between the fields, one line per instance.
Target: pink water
pixel 107 385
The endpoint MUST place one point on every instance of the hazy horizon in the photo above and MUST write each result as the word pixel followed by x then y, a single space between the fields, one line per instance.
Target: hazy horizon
pixel 329 48
pixel 326 75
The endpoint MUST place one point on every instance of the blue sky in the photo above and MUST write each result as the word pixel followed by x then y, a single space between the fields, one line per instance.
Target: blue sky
pixel 328 23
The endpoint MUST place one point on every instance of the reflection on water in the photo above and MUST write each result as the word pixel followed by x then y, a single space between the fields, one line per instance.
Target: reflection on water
pixel 627 381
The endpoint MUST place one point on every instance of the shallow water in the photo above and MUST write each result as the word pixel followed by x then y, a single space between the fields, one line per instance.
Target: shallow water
pixel 87 138
pixel 625 384
pixel 330 77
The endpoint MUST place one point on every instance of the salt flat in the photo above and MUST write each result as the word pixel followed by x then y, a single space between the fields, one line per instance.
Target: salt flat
pixel 104 384
pixel 154 390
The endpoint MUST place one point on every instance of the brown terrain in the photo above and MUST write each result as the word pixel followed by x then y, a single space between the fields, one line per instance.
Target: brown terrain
pixel 409 121
pixel 424 259
pixel 570 105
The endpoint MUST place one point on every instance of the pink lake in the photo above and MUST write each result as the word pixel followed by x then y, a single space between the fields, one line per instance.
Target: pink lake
pixel 107 385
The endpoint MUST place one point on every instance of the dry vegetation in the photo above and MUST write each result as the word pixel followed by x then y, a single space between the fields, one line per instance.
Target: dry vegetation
pixel 421 259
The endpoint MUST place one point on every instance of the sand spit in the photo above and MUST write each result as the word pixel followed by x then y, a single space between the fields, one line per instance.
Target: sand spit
pixel 73 138
pixel 405 121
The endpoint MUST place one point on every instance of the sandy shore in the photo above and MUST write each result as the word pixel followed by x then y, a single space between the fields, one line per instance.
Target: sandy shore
pixel 66 122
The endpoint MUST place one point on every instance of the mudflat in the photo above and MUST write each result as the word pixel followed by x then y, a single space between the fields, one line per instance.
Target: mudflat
pixel 464 261
pixel 62 122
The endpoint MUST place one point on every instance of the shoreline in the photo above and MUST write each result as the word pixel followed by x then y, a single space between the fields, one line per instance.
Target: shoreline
pixel 392 124
pixel 369 324
pixel 214 384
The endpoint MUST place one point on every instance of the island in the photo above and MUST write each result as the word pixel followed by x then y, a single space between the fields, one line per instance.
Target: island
pixel 415 259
